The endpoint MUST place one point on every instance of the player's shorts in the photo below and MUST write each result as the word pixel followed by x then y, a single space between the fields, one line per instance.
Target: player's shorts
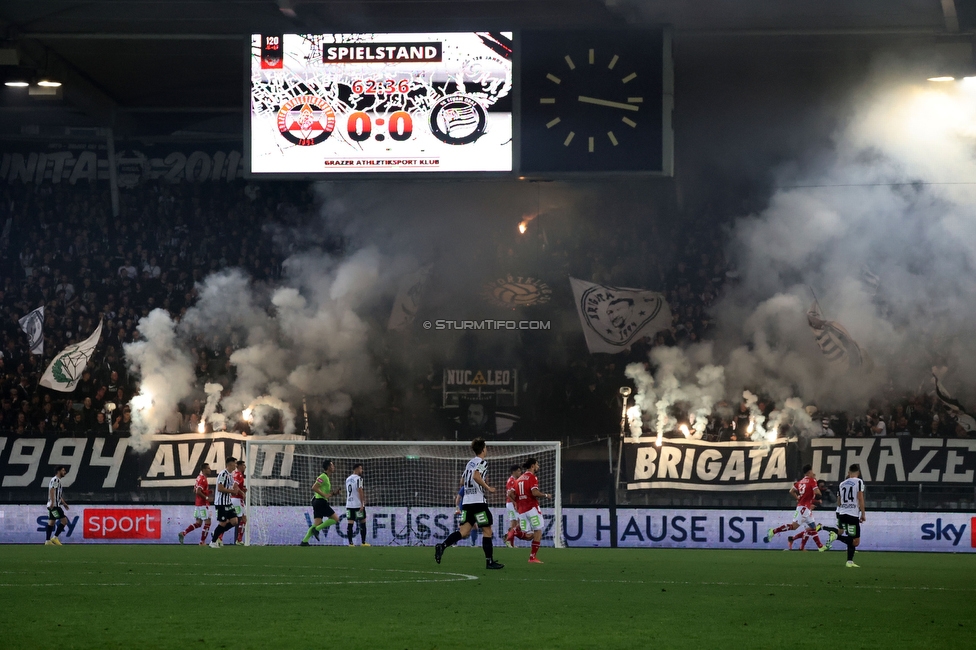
pixel 321 509
pixel 804 517
pixel 225 513
pixel 238 510
pixel 56 514
pixel 355 514
pixel 201 513
pixel 511 514
pixel 476 514
pixel 531 520
pixel 849 525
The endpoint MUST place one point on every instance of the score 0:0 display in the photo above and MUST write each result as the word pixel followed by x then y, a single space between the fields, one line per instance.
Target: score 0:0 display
pixel 399 126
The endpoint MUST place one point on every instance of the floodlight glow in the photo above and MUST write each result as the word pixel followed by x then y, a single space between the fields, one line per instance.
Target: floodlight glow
pixel 16 84
pixel 941 79
pixel 47 83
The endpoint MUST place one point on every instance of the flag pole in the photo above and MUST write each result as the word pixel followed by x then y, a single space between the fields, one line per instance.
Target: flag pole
pixel 817 302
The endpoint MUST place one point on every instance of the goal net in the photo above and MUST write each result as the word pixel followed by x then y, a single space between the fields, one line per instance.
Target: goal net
pixel 410 489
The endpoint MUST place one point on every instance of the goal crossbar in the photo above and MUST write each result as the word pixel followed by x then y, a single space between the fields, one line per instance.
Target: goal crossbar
pixel 405 481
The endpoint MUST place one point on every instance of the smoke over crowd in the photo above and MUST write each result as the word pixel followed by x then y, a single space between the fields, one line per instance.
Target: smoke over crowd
pixel 880 237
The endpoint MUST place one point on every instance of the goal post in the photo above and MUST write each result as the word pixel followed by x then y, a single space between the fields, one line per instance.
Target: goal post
pixel 410 488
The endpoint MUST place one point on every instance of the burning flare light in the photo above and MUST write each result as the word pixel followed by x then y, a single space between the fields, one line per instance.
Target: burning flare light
pixel 142 401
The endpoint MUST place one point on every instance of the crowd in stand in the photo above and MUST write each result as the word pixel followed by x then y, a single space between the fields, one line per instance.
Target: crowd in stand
pixel 61 247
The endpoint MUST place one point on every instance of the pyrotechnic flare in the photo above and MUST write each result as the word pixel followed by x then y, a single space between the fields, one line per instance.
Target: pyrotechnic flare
pixel 258 415
pixel 142 402
pixel 634 421
pixel 684 429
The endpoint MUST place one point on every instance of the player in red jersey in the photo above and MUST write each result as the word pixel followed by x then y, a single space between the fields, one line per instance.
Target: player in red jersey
pixel 804 491
pixel 238 500
pixel 510 512
pixel 527 495
pixel 201 512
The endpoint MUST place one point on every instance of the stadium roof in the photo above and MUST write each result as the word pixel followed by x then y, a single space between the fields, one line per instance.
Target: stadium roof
pixel 159 68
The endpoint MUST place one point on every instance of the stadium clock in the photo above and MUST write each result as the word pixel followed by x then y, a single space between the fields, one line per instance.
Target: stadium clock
pixel 592 101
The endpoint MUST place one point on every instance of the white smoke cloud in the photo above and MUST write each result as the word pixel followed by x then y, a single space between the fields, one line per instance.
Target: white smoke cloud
pixel 165 374
pixel 302 338
pixel 895 197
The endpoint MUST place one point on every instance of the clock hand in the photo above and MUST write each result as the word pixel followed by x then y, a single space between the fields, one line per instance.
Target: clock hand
pixel 604 102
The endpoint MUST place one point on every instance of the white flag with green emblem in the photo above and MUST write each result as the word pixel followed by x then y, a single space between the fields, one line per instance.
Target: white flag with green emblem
pixel 64 373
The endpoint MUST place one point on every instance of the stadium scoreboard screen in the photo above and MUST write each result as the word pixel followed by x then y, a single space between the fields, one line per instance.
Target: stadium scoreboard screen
pixel 436 103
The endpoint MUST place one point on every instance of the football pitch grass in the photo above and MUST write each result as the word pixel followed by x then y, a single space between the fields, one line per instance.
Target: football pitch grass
pixel 320 597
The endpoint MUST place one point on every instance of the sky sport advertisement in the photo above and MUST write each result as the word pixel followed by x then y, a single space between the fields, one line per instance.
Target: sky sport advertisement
pixel 353 103
pixel 938 532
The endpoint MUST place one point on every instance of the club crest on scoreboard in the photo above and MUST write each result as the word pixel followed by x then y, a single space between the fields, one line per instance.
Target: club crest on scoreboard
pixel 306 120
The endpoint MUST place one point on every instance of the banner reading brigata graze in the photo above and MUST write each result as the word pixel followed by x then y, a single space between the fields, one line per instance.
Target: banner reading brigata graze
pixel 71 163
pixel 105 467
pixel 741 466
pixel 710 466
pixel 948 461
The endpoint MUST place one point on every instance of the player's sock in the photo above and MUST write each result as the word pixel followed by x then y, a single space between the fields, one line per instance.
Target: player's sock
pixel 240 532
pixel 48 530
pixel 524 535
pixel 850 552
pixel 816 539
pixel 362 531
pixel 190 528
pixel 308 535
pixel 325 524
pixel 535 548
pixel 218 532
pixel 349 533
pixel 59 529
pixel 487 547
pixel 781 529
pixel 452 539
pixel 203 535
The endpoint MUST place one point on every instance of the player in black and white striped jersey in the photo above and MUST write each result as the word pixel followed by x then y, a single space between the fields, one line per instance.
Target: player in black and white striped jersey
pixel 226 489
pixel 850 513
pixel 56 507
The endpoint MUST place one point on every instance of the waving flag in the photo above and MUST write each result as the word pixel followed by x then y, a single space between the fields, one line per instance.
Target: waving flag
pixel 835 342
pixel 33 326
pixel 614 318
pixel 64 373
pixel 954 406
pixel 408 298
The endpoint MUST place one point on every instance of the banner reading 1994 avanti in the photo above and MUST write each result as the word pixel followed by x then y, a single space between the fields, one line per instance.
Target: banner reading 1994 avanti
pixel 339 103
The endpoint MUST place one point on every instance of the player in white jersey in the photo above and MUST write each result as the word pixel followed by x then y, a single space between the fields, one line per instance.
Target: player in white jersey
pixel 356 504
pixel 850 513
pixel 474 507
pixel 56 507
pixel 226 489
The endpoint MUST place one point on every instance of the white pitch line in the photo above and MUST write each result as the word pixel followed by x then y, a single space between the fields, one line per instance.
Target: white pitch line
pixel 461 578
pixel 735 584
